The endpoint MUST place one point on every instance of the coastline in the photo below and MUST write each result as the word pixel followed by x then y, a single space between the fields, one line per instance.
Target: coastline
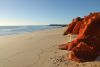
pixel 23 50
pixel 14 30
pixel 37 49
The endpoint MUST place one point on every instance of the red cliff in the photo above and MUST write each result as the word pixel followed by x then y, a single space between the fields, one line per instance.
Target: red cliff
pixel 86 47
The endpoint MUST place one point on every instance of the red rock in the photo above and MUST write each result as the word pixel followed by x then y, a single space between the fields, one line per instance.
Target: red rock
pixel 77 27
pixel 86 46
pixel 73 28
pixel 83 52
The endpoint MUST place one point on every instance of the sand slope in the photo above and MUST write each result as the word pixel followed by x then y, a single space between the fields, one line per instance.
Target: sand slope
pixel 37 49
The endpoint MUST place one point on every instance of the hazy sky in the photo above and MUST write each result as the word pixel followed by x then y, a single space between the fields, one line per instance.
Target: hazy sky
pixel 37 12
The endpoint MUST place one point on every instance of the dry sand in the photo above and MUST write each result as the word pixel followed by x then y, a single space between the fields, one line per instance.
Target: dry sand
pixel 37 49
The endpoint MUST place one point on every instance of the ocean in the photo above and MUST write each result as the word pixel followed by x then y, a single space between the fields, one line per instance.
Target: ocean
pixel 9 30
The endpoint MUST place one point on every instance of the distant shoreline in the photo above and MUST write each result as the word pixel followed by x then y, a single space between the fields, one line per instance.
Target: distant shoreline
pixel 62 25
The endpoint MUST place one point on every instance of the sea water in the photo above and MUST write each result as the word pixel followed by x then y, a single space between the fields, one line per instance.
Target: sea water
pixel 8 30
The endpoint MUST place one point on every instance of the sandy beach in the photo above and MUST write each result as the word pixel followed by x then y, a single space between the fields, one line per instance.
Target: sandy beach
pixel 37 49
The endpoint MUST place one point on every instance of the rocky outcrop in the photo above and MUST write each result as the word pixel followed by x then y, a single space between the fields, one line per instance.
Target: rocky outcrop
pixel 74 26
pixel 86 47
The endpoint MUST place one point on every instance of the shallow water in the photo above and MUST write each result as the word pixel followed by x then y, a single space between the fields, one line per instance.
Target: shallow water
pixel 8 30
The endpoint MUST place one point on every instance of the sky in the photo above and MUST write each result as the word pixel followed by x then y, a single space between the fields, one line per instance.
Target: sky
pixel 44 12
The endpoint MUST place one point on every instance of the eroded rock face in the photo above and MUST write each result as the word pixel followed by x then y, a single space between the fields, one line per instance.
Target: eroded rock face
pixel 74 26
pixel 86 47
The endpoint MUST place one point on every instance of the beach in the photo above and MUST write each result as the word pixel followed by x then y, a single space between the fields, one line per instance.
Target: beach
pixel 37 49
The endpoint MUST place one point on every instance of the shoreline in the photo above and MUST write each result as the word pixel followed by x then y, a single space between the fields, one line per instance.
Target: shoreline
pixel 24 50
pixel 37 49
pixel 18 33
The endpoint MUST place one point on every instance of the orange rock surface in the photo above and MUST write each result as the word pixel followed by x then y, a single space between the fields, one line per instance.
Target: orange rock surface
pixel 74 26
pixel 86 47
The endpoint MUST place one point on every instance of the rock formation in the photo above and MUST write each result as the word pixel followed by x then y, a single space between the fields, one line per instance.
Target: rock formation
pixel 74 27
pixel 86 47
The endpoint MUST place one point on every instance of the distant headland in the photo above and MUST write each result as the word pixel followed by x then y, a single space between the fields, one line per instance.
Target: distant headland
pixel 62 25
